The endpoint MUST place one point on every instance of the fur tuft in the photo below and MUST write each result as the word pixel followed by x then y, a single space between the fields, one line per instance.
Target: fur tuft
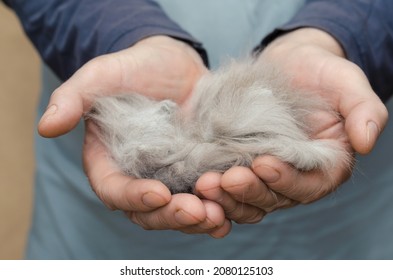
pixel 235 114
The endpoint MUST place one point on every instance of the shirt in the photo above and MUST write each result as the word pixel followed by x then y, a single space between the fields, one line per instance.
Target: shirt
pixel 67 34
pixel 364 28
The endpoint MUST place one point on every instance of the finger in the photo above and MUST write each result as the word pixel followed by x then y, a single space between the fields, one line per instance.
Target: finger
pixel 116 190
pixel 366 119
pixel 222 231
pixel 364 113
pixel 303 187
pixel 158 66
pixel 183 210
pixel 215 223
pixel 245 186
pixel 209 187
pixel 63 113
pixel 74 97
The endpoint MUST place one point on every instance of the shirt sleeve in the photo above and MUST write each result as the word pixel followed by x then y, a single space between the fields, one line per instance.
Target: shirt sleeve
pixel 364 28
pixel 69 33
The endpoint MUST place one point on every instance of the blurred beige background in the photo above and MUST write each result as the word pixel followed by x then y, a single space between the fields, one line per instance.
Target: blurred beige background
pixel 19 87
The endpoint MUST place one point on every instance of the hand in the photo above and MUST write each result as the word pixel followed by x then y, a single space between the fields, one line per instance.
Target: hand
pixel 159 67
pixel 315 62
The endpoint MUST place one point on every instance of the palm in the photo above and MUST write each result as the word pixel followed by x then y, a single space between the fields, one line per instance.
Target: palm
pixel 152 68
pixel 159 67
pixel 271 184
pixel 324 75
pixel 320 67
pixel 252 192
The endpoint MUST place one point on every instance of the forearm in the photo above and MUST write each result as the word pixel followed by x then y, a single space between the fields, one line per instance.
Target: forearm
pixel 69 33
pixel 363 28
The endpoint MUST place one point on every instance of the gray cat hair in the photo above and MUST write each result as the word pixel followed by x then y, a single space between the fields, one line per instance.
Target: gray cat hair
pixel 235 114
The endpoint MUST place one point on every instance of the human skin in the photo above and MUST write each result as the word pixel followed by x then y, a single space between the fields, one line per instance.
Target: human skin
pixel 159 67
pixel 162 67
pixel 315 62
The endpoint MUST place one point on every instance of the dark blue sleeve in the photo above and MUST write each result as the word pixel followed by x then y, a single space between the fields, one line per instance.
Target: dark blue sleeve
pixel 364 28
pixel 68 33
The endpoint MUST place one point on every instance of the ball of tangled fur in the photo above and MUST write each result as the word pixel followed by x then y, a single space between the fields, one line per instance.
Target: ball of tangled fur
pixel 235 114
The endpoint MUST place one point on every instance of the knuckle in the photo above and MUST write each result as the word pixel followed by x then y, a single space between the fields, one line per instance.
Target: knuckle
pixel 104 195
pixel 99 191
pixel 138 220
pixel 265 197
pixel 315 195
pixel 384 113
pixel 280 202
pixel 162 222
pixel 255 217
pixel 232 210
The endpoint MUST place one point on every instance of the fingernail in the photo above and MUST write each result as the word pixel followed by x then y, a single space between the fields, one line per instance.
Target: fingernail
pixel 267 173
pixel 185 218
pixel 153 200
pixel 222 231
pixel 372 134
pixel 207 224
pixel 49 112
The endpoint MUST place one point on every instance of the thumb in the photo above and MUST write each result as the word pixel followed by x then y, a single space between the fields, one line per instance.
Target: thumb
pixel 63 113
pixel 73 98
pixel 365 123
pixel 364 113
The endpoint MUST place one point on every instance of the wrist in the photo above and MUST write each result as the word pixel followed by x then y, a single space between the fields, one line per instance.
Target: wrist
pixel 193 47
pixel 307 37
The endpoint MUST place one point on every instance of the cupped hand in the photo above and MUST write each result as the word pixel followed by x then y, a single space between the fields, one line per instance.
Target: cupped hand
pixel 159 67
pixel 313 61
pixel 148 203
